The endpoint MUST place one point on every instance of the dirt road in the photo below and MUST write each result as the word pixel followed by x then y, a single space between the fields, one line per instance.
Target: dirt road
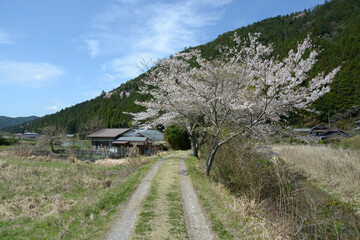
pixel 164 206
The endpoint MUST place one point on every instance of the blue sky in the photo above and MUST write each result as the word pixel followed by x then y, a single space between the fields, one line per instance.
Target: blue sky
pixel 55 54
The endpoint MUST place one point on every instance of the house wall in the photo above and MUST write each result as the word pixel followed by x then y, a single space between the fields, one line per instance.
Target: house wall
pixel 141 146
pixel 142 149
pixel 318 132
pixel 104 142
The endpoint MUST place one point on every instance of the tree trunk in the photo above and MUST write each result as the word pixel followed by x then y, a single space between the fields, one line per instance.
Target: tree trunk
pixel 211 156
pixel 194 145
pixel 52 147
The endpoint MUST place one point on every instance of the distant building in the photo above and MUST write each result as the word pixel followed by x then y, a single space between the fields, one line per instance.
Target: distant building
pixel 120 139
pixel 131 139
pixel 323 133
pixel 318 130
pixel 334 135
pixel 302 130
pixel 105 137
pixel 357 125
pixel 18 135
pixel 28 136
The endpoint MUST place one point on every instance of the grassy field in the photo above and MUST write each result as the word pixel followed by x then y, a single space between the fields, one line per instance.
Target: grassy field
pixel 42 198
pixel 231 217
pixel 335 170
pixel 5 148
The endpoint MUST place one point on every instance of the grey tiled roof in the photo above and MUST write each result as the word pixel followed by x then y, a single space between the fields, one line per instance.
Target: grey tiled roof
pixel 153 134
pixel 109 132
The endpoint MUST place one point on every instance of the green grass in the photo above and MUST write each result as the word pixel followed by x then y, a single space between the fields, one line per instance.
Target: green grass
pixel 144 223
pixel 5 148
pixel 58 199
pixel 230 217
pixel 176 214
pixel 30 142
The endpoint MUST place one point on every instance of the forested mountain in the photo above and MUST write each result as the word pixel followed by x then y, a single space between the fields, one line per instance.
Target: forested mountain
pixel 9 121
pixel 333 26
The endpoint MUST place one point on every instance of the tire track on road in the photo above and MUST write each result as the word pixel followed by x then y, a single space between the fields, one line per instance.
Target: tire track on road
pixel 197 224
pixel 124 225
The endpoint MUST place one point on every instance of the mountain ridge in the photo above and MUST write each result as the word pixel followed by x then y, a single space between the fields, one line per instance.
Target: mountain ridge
pixel 11 121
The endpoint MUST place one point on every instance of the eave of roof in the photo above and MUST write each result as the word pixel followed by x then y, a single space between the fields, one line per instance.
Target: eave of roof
pixel 119 142
pixel 132 139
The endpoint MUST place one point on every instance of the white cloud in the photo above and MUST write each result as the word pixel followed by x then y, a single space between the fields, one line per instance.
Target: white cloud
pixel 128 1
pixel 52 107
pixel 131 30
pixel 4 38
pixel 93 46
pixel 214 3
pixel 125 67
pixel 28 74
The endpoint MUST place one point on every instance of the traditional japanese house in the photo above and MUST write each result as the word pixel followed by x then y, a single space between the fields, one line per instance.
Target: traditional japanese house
pixel 318 130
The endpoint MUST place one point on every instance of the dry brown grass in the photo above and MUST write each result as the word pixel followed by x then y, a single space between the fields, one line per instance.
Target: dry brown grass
pixel 133 161
pixel 42 186
pixel 51 198
pixel 39 187
pixel 280 196
pixel 112 162
pixel 248 213
pixel 34 207
pixel 336 169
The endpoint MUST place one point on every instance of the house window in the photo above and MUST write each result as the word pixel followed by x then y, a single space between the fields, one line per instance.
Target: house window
pixel 100 144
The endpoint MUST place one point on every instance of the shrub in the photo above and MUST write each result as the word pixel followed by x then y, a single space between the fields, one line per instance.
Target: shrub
pixel 7 141
pixel 177 137
pixel 286 198
pixel 296 141
pixel 23 149
pixel 245 172
pixel 352 143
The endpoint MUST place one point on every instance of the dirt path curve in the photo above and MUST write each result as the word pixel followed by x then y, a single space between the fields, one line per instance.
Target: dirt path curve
pixel 123 227
pixel 196 223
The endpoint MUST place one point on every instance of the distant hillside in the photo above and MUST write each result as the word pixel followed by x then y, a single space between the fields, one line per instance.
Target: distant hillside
pixel 108 107
pixel 9 121
pixel 333 26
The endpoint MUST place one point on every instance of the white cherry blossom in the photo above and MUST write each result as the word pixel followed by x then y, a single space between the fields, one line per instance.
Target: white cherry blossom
pixel 230 95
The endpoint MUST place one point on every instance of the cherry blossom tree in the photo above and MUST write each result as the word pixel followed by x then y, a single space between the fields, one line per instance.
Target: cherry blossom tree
pixel 233 95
